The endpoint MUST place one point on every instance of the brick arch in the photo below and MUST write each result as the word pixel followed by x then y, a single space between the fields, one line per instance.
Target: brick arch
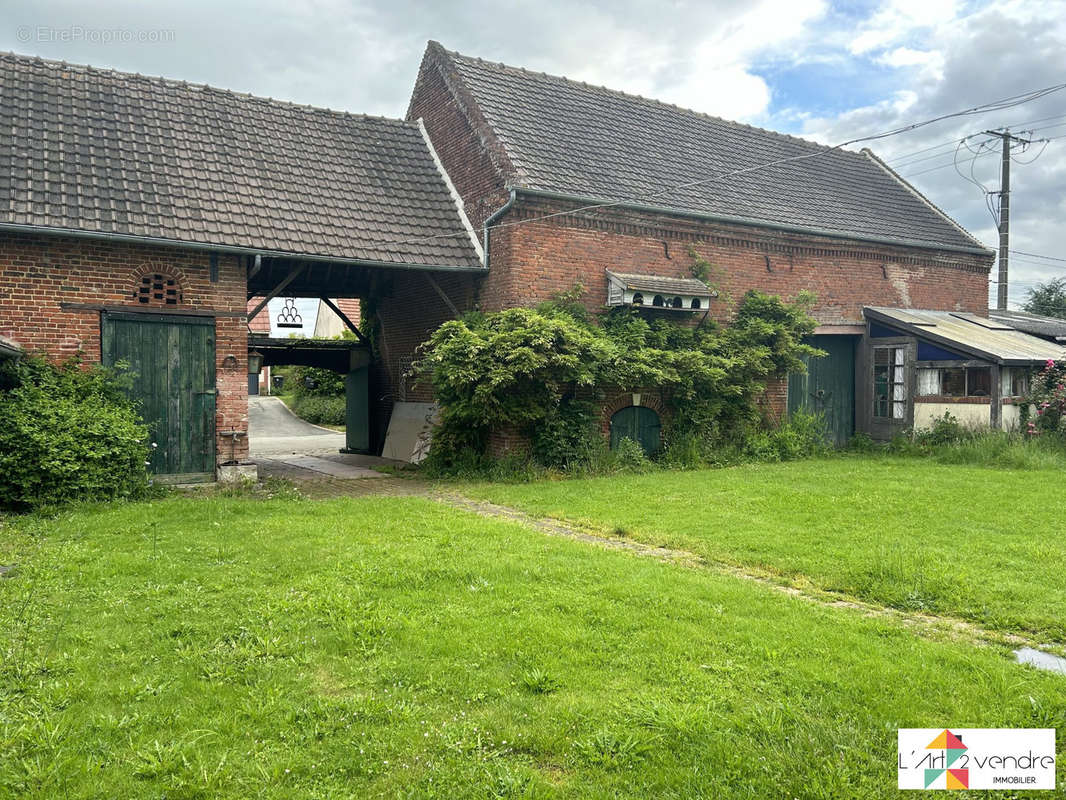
pixel 155 285
pixel 649 398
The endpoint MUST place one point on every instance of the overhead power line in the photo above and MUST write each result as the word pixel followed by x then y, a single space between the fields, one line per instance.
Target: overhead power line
pixel 1038 255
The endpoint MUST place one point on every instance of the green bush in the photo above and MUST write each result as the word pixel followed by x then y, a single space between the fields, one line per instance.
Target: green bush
pixel 314 382
pixel 67 433
pixel 568 438
pixel 522 368
pixel 802 435
pixel 319 410
pixel 629 457
pixel 945 430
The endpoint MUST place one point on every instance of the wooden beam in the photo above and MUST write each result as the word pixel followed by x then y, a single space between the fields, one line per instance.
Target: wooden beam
pixel 443 296
pixel 344 318
pixel 143 309
pixel 294 273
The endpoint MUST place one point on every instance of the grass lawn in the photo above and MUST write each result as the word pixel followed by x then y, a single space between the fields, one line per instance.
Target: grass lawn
pixel 979 543
pixel 394 647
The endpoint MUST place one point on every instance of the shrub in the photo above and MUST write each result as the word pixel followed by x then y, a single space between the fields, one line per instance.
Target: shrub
pixel 629 457
pixel 1047 393
pixel 68 433
pixel 320 410
pixel 802 435
pixel 944 430
pixel 862 443
pixel 568 437
pixel 523 368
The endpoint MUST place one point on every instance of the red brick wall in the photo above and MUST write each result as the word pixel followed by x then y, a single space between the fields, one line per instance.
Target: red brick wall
pixel 39 273
pixel 475 161
pixel 532 261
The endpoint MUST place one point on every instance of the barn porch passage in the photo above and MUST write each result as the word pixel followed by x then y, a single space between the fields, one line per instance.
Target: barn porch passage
pixel 406 303
pixel 347 357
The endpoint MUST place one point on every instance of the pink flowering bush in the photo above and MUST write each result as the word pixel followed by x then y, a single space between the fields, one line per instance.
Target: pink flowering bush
pixel 1047 395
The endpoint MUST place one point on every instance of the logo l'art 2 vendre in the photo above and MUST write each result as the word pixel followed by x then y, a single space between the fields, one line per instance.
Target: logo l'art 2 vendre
pixel 976 758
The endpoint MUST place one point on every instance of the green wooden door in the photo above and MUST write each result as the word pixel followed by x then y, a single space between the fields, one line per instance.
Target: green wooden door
pixel 829 386
pixel 638 423
pixel 172 362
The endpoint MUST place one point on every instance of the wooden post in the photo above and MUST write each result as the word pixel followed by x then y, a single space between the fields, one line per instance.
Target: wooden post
pixel 995 419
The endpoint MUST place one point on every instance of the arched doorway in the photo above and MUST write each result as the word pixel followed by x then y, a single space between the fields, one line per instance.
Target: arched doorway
pixel 639 423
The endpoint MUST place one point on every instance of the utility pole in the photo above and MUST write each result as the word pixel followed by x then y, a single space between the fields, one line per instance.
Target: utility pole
pixel 1004 212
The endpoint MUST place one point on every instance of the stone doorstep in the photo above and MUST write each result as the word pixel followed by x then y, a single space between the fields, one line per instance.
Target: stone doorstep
pixel 234 473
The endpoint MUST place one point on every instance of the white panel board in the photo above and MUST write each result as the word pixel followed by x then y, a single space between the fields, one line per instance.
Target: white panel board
pixel 410 429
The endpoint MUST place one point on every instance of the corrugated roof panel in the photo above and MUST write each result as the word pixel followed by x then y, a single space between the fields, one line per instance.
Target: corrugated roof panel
pixel 1005 345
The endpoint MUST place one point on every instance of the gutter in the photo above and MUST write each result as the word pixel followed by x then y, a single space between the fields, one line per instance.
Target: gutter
pixel 779 226
pixel 127 238
pixel 499 212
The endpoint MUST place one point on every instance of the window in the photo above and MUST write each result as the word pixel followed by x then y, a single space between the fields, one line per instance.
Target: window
pixel 695 302
pixel 979 382
pixel 1014 381
pixel 956 382
pixel 890 383
pixel 658 301
pixel 638 299
pixel 677 303
pixel 953 382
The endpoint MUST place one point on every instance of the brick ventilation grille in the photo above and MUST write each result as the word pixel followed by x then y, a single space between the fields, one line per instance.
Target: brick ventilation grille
pixel 158 289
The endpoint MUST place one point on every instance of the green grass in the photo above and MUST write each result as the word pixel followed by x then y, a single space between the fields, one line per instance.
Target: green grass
pixel 393 647
pixel 982 544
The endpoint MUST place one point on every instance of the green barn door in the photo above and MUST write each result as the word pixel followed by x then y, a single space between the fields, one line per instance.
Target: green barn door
pixel 638 423
pixel 829 386
pixel 172 362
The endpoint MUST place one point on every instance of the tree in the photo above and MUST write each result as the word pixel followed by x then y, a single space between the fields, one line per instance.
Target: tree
pixel 1048 299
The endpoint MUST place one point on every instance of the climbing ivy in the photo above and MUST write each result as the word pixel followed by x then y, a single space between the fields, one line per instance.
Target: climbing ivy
pixel 538 371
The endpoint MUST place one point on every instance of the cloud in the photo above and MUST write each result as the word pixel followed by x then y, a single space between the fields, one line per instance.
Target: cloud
pixel 988 54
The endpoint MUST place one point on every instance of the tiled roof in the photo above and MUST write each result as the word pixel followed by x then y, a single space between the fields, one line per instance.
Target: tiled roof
pixel 260 323
pixel 587 141
pixel 662 285
pixel 110 152
pixel 971 334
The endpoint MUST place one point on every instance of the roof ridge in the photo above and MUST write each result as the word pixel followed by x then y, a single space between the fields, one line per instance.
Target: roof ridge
pixel 8 55
pixel 640 98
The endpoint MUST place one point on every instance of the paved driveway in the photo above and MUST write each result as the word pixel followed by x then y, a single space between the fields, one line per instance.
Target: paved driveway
pixel 285 446
pixel 274 430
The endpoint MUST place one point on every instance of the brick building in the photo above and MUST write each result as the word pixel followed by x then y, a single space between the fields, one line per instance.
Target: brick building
pixel 139 215
pixel 569 182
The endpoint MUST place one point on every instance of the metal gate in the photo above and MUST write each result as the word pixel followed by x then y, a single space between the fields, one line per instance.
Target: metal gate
pixel 172 362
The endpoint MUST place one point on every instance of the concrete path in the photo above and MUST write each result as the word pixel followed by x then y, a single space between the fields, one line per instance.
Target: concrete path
pixel 273 430
pixel 285 446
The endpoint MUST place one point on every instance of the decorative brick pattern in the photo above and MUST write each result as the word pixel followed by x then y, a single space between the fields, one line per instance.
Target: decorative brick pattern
pixel 39 273
pixel 649 398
